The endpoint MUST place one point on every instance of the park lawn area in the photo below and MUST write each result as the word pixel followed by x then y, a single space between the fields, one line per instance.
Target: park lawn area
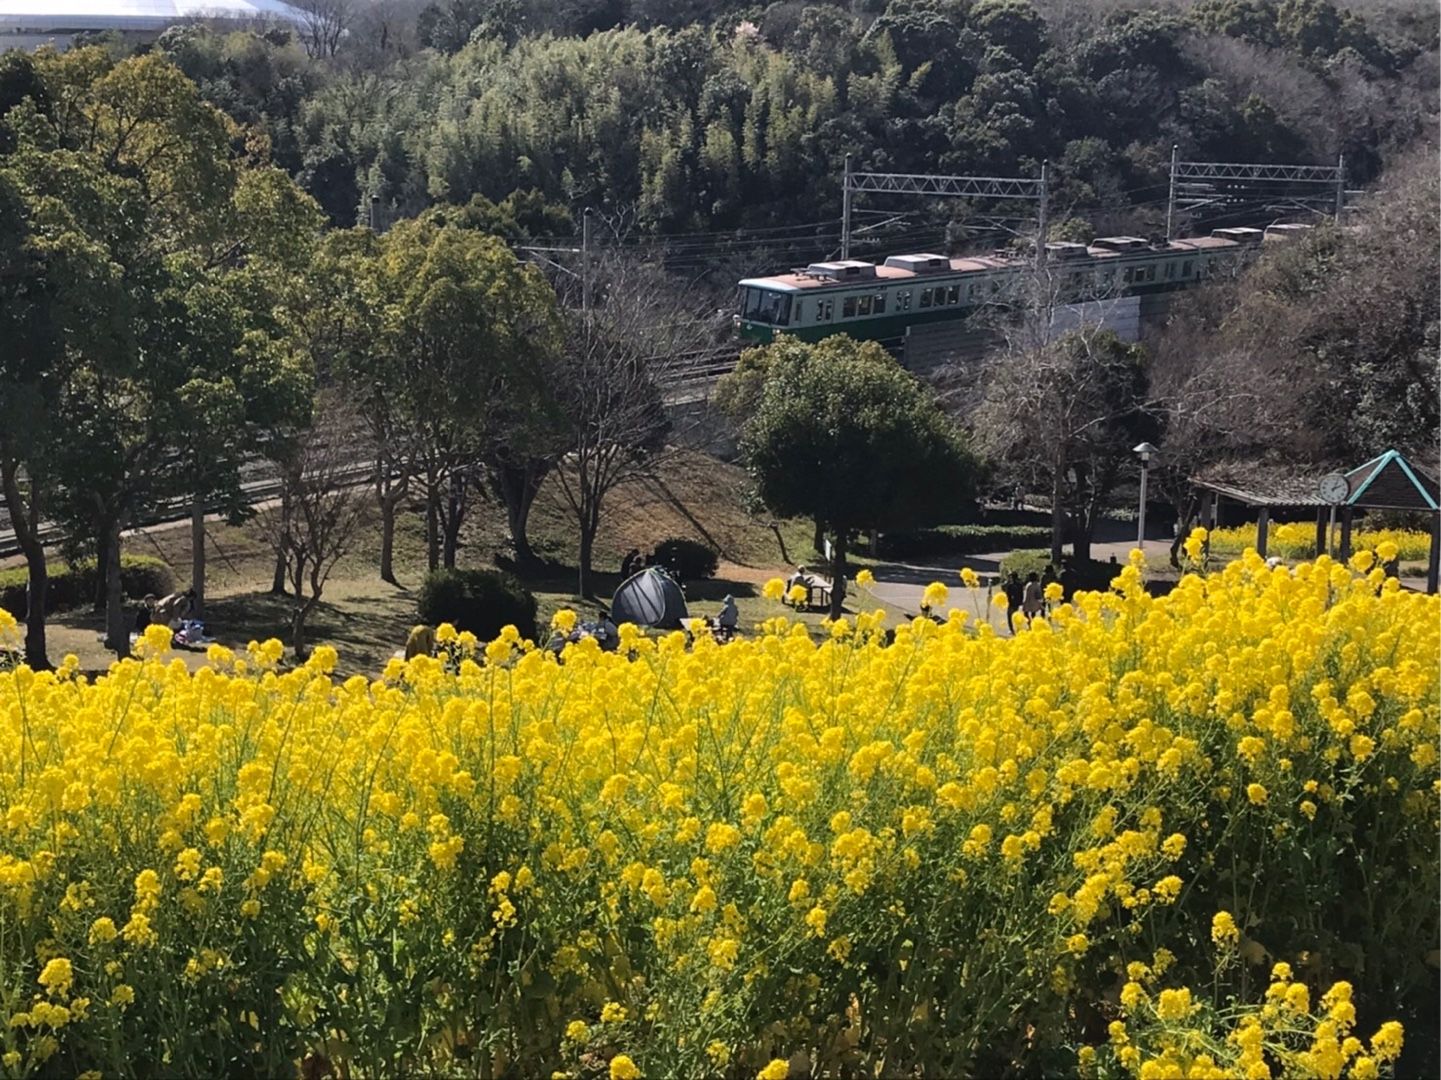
pixel 693 495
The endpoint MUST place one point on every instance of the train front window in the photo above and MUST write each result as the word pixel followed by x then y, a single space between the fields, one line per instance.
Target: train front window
pixel 766 306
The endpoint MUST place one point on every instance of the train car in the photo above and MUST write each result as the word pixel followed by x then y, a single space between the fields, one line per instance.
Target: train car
pixel 878 302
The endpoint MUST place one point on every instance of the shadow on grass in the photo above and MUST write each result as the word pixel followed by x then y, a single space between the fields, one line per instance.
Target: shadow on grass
pixel 365 629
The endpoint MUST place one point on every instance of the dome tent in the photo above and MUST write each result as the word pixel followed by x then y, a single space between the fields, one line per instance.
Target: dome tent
pixel 650 599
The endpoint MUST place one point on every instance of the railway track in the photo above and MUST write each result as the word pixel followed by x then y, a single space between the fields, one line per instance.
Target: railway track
pixel 683 377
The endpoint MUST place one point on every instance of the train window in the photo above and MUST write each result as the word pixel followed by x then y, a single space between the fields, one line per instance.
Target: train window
pixel 1170 270
pixel 1126 276
pixel 848 308
pixel 925 298
pixel 953 294
pixel 824 308
pixel 880 305
pixel 1186 268
pixel 765 306
pixel 863 305
pixel 904 301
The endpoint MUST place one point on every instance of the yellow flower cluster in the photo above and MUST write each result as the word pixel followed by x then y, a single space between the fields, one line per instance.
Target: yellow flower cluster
pixel 935 851
pixel 1297 540
pixel 1167 1036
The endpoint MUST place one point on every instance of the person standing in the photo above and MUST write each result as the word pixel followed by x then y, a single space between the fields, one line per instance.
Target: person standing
pixel 1015 592
pixel 1034 598
pixel 631 564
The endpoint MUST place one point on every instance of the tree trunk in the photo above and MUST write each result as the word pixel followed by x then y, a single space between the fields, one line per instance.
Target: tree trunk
pixel 818 540
pixel 517 519
pixel 389 493
pixel 1083 532
pixel 451 519
pixel 387 537
pixel 297 627
pixel 117 627
pixel 102 567
pixel 25 521
pixel 197 555
pixel 432 530
pixel 517 485
pixel 1183 529
pixel 1058 521
pixel 277 582
pixel 37 590
pixel 838 574
pixel 589 523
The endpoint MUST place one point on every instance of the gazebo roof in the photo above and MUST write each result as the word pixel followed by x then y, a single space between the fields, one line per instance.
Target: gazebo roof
pixel 1386 482
pixel 1390 482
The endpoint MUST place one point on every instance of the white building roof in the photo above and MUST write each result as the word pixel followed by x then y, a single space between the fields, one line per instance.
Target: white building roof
pixel 57 16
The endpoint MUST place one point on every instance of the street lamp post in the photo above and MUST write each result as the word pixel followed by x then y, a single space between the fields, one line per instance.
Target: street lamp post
pixel 1144 452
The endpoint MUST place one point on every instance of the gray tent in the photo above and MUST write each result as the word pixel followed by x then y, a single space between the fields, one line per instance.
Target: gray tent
pixel 651 598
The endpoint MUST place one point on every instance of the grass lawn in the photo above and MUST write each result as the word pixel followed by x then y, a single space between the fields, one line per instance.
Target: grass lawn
pixel 367 619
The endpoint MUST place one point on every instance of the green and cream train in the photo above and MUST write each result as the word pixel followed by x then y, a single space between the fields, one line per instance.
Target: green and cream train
pixel 881 301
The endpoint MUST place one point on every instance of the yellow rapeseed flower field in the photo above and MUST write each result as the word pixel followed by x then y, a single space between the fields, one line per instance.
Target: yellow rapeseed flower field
pixel 1297 540
pixel 937 852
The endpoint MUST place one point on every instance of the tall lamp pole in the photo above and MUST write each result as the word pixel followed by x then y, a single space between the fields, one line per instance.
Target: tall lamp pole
pixel 1144 452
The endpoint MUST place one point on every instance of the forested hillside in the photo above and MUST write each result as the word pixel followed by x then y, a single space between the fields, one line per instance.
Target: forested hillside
pixel 713 116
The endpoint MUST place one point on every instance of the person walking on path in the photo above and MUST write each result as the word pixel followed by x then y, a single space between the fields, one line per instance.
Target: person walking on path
pixel 1035 598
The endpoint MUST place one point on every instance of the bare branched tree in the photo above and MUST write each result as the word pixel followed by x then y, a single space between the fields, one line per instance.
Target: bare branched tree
pixel 315 525
pixel 607 385
pixel 323 24
pixel 1062 415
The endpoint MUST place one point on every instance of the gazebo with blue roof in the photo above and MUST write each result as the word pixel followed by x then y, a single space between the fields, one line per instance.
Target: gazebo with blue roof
pixel 1387 482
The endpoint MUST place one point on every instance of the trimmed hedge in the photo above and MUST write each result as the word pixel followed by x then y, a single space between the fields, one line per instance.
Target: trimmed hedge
pixel 961 540
pixel 74 586
pixel 481 601
pixel 686 559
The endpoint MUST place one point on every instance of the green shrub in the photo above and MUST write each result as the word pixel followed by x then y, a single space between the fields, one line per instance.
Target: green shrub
pixel 74 586
pixel 1090 575
pixel 1026 562
pixel 687 560
pixel 960 540
pixel 481 601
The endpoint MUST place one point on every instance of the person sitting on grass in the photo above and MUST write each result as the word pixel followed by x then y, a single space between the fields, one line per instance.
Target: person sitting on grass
pixel 729 619
pixel 171 610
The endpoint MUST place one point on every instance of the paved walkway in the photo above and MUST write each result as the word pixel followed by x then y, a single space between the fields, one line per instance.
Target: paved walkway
pixel 899 586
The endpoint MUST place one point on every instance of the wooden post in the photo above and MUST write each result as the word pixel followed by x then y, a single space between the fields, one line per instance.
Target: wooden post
pixel 1263 519
pixel 1433 566
pixel 1321 538
pixel 1208 517
pixel 1345 553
